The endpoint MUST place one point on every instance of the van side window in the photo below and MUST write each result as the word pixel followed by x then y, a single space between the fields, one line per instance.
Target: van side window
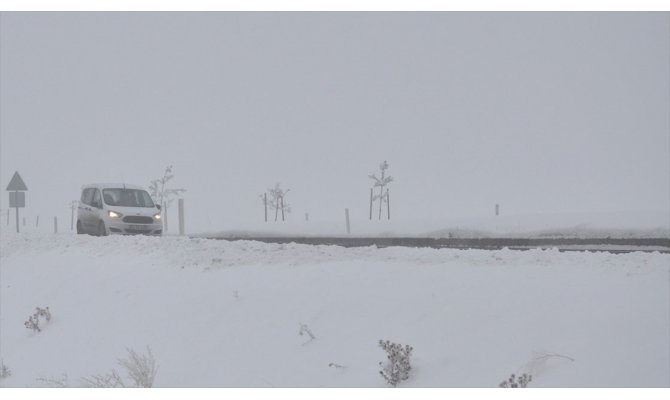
pixel 97 199
pixel 87 196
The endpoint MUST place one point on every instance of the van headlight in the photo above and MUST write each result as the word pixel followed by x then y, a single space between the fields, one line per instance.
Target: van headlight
pixel 114 214
pixel 157 216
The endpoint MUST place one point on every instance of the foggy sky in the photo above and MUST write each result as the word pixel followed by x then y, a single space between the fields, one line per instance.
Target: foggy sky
pixel 539 112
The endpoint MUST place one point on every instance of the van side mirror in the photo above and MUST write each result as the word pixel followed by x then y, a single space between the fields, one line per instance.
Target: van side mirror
pixel 158 206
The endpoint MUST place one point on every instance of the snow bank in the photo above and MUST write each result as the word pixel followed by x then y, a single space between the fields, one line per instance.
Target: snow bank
pixel 228 314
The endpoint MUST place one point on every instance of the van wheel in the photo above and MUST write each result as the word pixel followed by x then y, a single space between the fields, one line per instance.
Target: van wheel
pixel 80 230
pixel 101 229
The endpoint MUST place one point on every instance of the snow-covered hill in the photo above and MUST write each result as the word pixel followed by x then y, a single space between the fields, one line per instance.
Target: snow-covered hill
pixel 228 314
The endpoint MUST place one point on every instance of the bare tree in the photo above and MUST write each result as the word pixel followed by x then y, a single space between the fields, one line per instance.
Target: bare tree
pixel 381 183
pixel 164 195
pixel 276 200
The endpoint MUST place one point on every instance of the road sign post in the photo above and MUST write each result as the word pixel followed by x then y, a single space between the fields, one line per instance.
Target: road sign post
pixel 17 197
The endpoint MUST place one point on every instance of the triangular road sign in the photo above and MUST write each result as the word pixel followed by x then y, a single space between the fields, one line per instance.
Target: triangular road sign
pixel 16 183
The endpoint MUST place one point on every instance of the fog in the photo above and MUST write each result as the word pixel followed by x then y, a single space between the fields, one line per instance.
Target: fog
pixel 538 112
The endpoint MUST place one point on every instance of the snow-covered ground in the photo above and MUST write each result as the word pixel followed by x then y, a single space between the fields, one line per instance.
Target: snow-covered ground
pixel 228 314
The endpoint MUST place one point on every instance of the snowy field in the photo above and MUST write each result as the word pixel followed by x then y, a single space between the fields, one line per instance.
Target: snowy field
pixel 228 314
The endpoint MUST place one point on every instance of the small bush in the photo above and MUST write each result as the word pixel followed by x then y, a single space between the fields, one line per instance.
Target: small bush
pixel 53 382
pixel 304 330
pixel 398 366
pixel 140 368
pixel 108 380
pixel 34 320
pixel 5 372
pixel 517 381
pixel 532 368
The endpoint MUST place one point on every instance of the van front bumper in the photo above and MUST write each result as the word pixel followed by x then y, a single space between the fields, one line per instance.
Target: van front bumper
pixel 124 228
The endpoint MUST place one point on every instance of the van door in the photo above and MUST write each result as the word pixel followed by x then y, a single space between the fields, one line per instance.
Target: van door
pixel 96 209
pixel 85 209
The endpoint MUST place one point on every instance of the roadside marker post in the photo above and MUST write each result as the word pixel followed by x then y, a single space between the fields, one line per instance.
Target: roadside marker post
pixel 182 229
pixel 346 217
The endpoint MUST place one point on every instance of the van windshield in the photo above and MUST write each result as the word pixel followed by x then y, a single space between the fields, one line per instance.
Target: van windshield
pixel 127 198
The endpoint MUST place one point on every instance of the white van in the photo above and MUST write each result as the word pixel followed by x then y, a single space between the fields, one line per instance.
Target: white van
pixel 108 208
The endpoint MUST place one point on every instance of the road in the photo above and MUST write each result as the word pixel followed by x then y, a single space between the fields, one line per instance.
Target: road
pixel 611 245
